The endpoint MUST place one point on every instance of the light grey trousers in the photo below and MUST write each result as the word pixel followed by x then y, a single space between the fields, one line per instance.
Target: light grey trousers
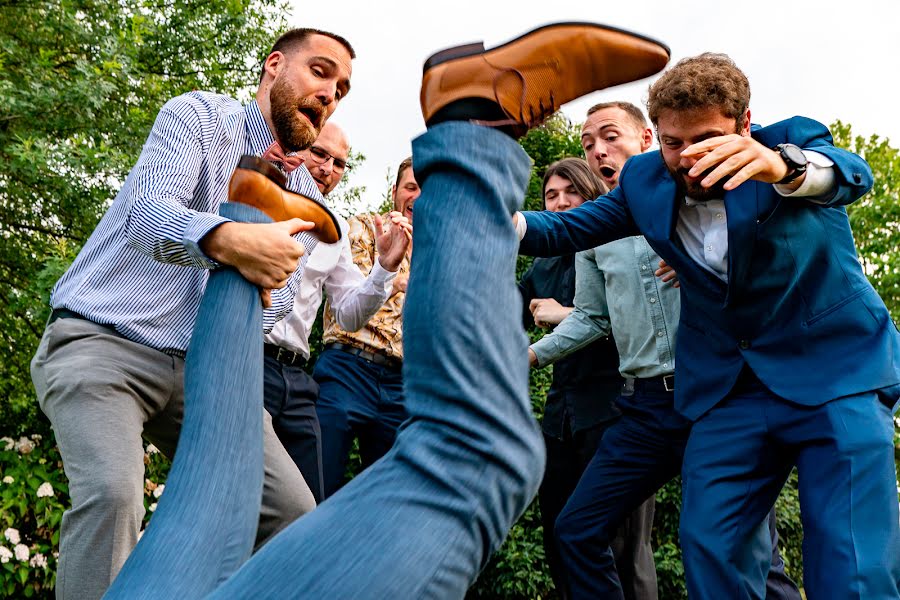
pixel 102 393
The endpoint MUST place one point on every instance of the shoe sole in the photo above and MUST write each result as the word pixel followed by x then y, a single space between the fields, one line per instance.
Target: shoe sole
pixel 476 48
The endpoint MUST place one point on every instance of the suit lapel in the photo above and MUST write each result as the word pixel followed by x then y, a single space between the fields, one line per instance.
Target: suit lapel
pixel 661 217
pixel 741 208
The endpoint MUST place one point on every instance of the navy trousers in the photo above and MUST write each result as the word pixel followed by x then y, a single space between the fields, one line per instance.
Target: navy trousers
pixel 637 455
pixel 357 399
pixel 289 395
pixel 739 455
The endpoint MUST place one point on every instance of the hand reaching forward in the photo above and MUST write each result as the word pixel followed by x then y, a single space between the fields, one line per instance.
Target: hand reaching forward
pixel 738 158
pixel 391 242
pixel 667 274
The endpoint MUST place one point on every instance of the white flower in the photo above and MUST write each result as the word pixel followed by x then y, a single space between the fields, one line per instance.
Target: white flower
pixel 159 490
pixel 38 560
pixel 12 536
pixel 45 490
pixel 151 449
pixel 5 554
pixel 8 443
pixel 21 551
pixel 152 507
pixel 8 479
pixel 24 445
pixel 37 437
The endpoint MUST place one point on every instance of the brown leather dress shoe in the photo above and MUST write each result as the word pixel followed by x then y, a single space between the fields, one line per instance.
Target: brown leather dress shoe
pixel 533 75
pixel 256 182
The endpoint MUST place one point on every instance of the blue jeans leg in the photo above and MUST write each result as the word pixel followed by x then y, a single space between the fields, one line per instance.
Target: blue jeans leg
pixel 635 458
pixel 423 521
pixel 204 527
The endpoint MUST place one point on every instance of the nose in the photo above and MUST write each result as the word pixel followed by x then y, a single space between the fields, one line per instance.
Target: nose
pixel 599 149
pixel 328 166
pixel 326 95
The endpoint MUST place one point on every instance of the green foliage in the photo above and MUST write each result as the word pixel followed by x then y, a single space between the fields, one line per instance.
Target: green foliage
pixel 80 85
pixel 34 492
pixel 875 218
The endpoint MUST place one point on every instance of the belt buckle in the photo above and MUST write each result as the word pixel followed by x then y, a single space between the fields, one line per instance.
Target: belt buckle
pixel 282 356
pixel 669 383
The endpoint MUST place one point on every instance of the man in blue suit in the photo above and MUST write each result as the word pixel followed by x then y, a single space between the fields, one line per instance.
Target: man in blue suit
pixel 788 357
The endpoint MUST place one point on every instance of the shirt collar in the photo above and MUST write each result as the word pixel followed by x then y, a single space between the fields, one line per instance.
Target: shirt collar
pixel 259 136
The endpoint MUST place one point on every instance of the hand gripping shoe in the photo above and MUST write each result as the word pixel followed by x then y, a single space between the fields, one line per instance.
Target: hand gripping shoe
pixel 533 75
pixel 256 182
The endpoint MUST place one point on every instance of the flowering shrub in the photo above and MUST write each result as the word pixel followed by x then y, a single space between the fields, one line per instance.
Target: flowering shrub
pixel 33 495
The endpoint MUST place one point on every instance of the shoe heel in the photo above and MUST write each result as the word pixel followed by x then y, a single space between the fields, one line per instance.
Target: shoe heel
pixel 452 53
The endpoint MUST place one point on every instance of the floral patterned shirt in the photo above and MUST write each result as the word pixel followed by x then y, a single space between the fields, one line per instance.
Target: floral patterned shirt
pixel 383 334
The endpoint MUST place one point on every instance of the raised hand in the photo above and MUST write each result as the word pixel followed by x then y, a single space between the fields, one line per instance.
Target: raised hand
pixel 392 242
pixel 737 157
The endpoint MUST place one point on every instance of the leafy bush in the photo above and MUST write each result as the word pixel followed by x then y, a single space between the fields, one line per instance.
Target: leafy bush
pixel 34 493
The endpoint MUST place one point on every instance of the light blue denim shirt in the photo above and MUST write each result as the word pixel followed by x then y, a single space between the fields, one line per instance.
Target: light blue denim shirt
pixel 616 291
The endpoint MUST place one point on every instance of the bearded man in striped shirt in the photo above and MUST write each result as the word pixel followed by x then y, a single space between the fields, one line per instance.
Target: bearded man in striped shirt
pixel 109 369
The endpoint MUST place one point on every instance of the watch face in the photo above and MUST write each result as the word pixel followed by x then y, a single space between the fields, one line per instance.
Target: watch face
pixel 793 155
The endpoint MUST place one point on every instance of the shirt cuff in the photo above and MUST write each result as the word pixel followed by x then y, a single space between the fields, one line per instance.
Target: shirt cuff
pixel 380 275
pixel 543 351
pixel 199 226
pixel 521 226
pixel 819 180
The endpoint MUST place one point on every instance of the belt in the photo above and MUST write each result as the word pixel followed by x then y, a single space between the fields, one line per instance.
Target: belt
pixel 65 313
pixel 284 356
pixel 378 359
pixel 663 383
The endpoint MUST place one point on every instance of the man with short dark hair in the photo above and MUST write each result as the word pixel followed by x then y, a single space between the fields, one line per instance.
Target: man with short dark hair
pixel 110 365
pixel 359 372
pixel 290 393
pixel 752 219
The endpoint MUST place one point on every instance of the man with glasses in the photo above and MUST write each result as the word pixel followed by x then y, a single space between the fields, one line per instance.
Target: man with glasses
pixel 290 393
pixel 361 388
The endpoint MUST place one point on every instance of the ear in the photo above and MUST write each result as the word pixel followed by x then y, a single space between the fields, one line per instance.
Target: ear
pixel 646 139
pixel 274 63
pixel 745 124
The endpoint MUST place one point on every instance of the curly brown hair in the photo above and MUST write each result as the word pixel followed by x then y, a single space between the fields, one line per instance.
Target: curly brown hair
pixel 704 81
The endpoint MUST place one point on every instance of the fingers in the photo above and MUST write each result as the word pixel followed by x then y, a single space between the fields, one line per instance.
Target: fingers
pixel 378 225
pixel 293 226
pixel 708 145
pixel 266 297
pixel 534 304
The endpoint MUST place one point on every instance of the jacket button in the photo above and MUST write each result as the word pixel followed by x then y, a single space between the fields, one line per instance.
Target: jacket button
pixel 744 344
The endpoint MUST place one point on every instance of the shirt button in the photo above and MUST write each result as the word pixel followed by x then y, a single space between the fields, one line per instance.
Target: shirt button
pixel 665 365
pixel 659 333
pixel 643 267
pixel 720 216
pixel 652 300
pixel 709 248
pixel 744 344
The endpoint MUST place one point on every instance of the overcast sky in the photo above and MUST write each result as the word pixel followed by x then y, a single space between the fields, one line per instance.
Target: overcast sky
pixel 826 59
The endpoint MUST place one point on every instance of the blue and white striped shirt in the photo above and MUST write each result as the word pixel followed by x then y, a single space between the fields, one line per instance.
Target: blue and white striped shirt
pixel 142 270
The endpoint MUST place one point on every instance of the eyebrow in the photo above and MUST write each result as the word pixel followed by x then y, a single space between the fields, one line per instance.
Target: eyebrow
pixel 334 65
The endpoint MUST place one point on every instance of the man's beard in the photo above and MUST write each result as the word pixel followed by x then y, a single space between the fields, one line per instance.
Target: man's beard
pixel 693 189
pixel 293 131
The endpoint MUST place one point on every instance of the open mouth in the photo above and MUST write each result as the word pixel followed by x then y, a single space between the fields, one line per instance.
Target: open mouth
pixel 311 114
pixel 607 172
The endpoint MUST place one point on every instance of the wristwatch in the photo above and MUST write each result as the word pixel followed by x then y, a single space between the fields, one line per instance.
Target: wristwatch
pixel 795 160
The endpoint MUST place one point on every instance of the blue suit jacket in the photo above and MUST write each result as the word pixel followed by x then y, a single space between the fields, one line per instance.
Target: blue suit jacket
pixel 797 307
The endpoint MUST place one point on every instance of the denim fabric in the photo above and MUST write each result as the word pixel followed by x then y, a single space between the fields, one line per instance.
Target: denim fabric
pixel 205 524
pixel 357 398
pixel 422 522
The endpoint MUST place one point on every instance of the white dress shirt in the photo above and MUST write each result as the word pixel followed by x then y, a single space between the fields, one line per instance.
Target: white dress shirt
pixel 354 298
pixel 703 226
